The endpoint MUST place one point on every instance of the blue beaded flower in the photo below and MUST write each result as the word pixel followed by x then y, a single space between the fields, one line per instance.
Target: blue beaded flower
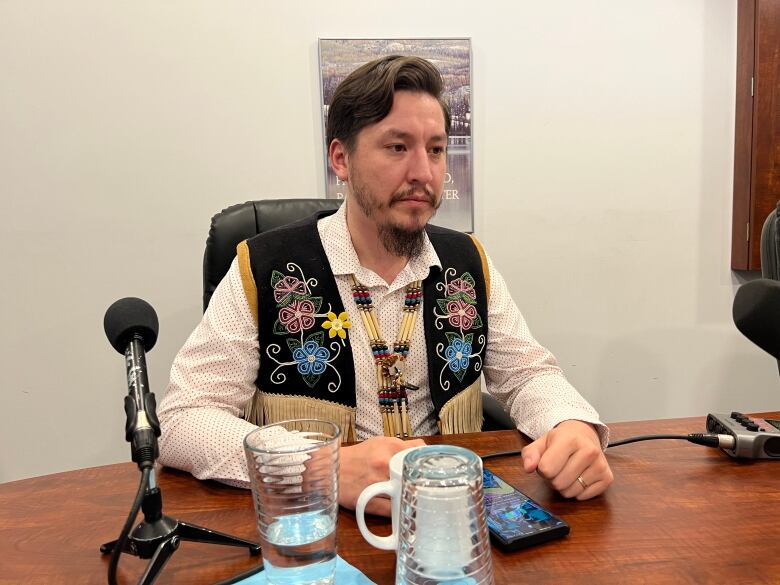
pixel 311 358
pixel 457 354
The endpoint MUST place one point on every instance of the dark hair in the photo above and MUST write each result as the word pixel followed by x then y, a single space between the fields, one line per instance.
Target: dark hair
pixel 366 95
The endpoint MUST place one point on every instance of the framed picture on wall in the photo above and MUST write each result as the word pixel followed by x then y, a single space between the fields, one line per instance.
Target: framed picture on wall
pixel 339 57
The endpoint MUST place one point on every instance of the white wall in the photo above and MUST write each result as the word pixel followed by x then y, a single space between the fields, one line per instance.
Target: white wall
pixel 603 157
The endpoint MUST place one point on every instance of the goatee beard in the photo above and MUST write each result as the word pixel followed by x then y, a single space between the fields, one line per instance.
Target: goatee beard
pixel 400 242
pixel 396 240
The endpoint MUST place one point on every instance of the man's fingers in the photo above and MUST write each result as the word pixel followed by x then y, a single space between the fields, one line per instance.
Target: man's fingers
pixel 585 459
pixel 578 491
pixel 597 487
pixel 570 458
pixel 412 443
pixel 379 506
pixel 568 454
pixel 589 483
pixel 531 455
pixel 555 458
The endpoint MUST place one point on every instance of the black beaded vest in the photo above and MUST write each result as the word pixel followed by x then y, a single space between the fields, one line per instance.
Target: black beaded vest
pixel 296 293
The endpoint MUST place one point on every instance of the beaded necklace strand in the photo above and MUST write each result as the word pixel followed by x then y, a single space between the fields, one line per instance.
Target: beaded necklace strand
pixel 393 401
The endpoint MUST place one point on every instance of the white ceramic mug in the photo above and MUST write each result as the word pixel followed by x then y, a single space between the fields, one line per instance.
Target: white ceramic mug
pixel 391 488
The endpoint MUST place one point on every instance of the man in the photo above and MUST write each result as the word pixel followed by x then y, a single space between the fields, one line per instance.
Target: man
pixel 305 312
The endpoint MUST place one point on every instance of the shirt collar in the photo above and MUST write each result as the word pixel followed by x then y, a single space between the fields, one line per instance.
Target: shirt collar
pixel 343 258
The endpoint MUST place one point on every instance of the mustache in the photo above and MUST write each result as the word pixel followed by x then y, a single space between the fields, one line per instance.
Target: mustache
pixel 415 193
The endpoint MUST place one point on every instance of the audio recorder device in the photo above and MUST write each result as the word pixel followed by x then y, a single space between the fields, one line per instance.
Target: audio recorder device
pixel 754 438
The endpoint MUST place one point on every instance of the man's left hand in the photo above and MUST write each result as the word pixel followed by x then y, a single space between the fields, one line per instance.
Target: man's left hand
pixel 570 458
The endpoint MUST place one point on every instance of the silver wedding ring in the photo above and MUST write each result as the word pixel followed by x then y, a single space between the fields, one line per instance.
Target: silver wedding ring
pixel 585 485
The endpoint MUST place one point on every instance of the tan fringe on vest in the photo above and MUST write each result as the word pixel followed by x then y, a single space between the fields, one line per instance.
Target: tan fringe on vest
pixel 463 412
pixel 265 409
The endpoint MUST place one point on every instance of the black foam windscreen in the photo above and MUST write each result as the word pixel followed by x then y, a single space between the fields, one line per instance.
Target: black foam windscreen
pixel 127 317
pixel 756 313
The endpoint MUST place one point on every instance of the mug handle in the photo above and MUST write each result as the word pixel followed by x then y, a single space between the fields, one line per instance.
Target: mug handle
pixel 375 489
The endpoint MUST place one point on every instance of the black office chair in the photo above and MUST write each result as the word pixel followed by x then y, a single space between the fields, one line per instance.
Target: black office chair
pixel 770 248
pixel 770 245
pixel 240 222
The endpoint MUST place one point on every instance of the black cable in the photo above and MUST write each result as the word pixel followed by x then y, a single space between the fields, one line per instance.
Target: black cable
pixel 119 545
pixel 501 454
pixel 708 440
pixel 645 438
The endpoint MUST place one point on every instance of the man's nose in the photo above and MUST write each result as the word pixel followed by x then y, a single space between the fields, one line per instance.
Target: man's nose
pixel 420 169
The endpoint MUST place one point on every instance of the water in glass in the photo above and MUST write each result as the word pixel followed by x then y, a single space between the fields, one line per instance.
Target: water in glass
pixel 293 469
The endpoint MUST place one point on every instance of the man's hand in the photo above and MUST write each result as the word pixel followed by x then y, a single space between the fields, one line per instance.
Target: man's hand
pixel 366 463
pixel 570 458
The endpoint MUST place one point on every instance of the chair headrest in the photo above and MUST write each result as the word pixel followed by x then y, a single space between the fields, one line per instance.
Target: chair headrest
pixel 239 222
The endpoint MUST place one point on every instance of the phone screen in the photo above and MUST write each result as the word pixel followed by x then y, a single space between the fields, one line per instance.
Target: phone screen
pixel 512 516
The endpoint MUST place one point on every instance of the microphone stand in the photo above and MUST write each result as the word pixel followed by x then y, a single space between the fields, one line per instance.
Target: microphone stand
pixel 159 536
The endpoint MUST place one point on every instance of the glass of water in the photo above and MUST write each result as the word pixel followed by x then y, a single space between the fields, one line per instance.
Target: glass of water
pixel 293 468
pixel 443 535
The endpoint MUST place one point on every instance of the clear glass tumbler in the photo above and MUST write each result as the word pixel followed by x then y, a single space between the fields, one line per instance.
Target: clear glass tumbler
pixel 443 536
pixel 293 468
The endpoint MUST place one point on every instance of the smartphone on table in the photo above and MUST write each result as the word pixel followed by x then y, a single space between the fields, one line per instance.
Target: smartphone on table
pixel 516 521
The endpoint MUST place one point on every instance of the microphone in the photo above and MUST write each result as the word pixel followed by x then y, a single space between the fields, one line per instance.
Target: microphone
pixel 131 327
pixel 756 313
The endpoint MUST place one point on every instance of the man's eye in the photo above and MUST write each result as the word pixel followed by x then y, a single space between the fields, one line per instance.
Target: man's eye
pixel 397 147
pixel 437 150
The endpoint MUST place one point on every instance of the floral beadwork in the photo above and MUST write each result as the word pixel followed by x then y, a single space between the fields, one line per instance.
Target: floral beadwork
pixel 298 312
pixel 297 316
pixel 458 311
pixel 311 358
pixel 458 353
pixel 287 286
pixel 337 325
pixel 461 314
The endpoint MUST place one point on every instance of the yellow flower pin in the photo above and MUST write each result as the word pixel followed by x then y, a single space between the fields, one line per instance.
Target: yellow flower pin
pixel 337 325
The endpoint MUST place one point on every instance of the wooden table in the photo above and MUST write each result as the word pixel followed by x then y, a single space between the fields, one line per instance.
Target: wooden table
pixel 677 513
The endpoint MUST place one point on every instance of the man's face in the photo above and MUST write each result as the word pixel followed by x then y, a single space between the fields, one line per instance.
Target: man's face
pixel 396 170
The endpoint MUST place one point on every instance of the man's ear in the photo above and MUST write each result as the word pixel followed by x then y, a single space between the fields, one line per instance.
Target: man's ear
pixel 339 159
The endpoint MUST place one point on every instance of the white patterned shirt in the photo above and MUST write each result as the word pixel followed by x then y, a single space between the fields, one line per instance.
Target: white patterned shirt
pixel 214 373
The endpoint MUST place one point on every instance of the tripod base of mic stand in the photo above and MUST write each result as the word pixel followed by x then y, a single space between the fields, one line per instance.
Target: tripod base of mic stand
pixel 158 540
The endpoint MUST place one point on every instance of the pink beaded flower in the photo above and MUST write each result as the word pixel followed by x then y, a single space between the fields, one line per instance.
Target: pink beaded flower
pixel 461 314
pixel 287 286
pixel 460 286
pixel 297 316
